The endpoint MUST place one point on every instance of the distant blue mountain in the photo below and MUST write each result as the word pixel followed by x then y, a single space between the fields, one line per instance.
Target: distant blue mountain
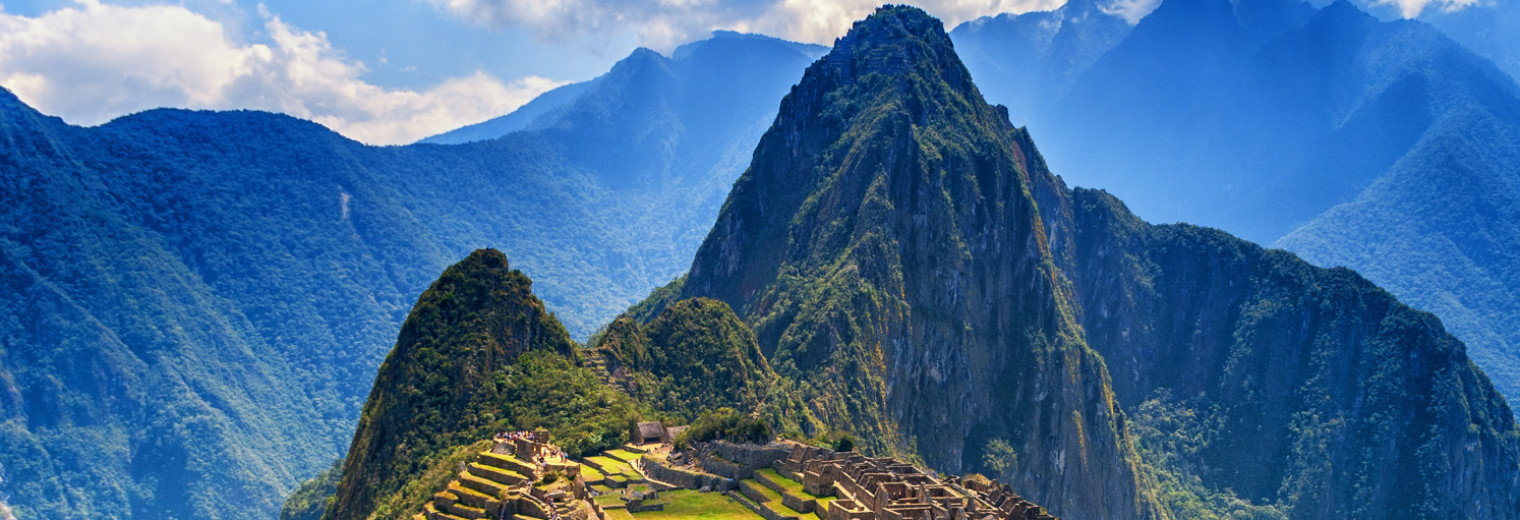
pixel 519 119
pixel 196 302
pixel 1490 28
pixel 1028 60
pixel 1383 146
pixel 746 66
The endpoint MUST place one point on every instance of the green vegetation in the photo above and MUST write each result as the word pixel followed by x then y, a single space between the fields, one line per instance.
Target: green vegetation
pixel 1452 252
pixel 310 500
pixel 695 356
pixel 434 472
pixel 726 424
pixel 691 505
pixel 196 302
pixel 478 355
pixel 1170 438
pixel 1320 386
pixel 999 456
pixel 887 246
pixel 912 272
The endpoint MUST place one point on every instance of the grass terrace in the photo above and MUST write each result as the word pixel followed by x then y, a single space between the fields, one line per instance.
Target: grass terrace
pixel 770 499
pixel 686 504
pixel 624 455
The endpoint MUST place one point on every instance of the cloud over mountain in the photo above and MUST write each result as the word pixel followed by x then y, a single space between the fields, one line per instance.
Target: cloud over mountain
pixel 91 62
pixel 1413 8
pixel 663 24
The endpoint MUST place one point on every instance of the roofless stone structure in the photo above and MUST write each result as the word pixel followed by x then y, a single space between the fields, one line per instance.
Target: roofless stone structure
pixel 777 481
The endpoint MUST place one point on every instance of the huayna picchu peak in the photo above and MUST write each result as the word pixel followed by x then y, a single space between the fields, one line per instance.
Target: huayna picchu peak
pixel 907 258
pixel 898 272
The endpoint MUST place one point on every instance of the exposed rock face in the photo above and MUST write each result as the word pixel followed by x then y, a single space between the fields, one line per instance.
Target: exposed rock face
pixel 904 254
pixel 888 246
pixel 1326 395
pixel 477 318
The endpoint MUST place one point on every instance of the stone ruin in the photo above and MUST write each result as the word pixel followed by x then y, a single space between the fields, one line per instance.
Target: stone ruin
pixel 504 482
pixel 881 488
pixel 778 481
pixel 837 485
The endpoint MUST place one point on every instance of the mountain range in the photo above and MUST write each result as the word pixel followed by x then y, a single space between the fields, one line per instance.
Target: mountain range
pixel 200 299
pixel 1349 140
pixel 915 275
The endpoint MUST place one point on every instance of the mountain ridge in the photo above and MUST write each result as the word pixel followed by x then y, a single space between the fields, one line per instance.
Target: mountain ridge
pixel 166 247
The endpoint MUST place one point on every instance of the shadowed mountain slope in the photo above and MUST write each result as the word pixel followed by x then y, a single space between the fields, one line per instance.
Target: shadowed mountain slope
pixel 904 254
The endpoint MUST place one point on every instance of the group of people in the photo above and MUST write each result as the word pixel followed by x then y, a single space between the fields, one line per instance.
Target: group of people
pixel 512 436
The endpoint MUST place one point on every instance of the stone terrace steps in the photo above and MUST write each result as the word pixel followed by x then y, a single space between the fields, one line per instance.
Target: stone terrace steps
pixel 505 477
pixel 433 513
pixel 513 464
pixel 478 490
pixel 598 364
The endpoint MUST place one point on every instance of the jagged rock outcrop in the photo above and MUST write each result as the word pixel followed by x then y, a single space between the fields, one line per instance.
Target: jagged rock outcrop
pixel 887 245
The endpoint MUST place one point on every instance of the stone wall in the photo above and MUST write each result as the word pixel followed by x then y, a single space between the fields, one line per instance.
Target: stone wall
pixel 685 478
pixel 752 456
pixel 717 465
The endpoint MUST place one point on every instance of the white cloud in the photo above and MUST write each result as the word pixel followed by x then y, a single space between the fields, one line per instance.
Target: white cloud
pixel 662 24
pixel 1412 8
pixel 1130 10
pixel 92 61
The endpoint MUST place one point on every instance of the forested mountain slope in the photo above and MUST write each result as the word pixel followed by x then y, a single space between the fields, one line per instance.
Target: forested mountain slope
pixel 197 301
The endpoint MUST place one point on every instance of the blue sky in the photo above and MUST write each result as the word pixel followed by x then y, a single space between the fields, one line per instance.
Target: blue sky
pixel 403 43
pixel 379 71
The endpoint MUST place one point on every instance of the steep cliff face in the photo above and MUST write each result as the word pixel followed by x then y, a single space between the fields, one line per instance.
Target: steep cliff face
pixel 905 256
pixel 439 385
pixel 1323 395
pixel 888 246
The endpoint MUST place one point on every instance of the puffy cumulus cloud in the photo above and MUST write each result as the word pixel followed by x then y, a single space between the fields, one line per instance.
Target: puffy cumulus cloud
pixel 1412 8
pixel 90 62
pixel 663 24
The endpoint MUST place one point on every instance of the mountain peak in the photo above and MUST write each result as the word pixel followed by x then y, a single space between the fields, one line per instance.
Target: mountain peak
pixel 897 40
pixel 883 211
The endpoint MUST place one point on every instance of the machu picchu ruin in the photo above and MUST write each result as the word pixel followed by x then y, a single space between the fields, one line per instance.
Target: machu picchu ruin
pixel 526 477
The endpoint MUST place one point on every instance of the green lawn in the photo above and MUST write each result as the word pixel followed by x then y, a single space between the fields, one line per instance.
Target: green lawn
pixel 611 465
pixel 686 504
pixel 609 499
pixel 623 455
pixel 791 486
pixel 773 501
